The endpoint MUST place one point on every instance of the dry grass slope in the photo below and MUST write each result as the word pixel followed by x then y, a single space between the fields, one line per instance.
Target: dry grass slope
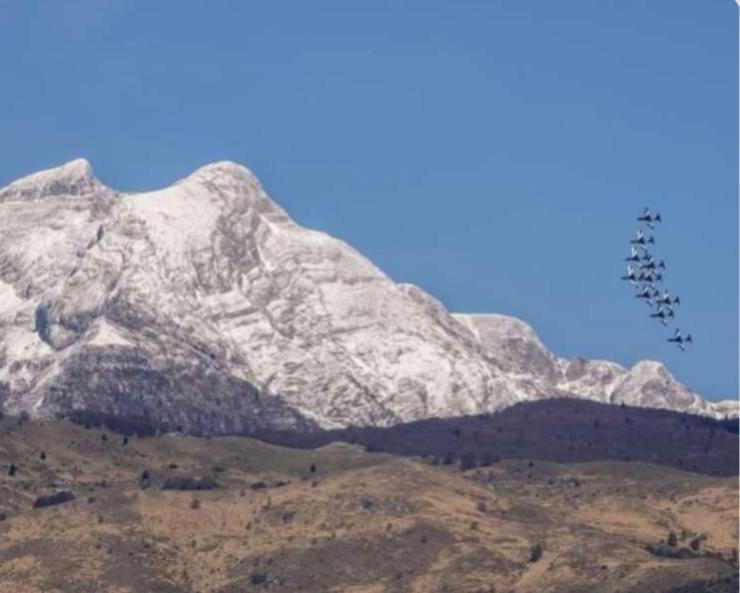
pixel 358 523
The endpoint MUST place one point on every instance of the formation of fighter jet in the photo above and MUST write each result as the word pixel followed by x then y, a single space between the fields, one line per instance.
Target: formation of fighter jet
pixel 644 272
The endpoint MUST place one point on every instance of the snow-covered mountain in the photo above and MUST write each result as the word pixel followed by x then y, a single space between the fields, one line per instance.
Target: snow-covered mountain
pixel 204 306
pixel 647 384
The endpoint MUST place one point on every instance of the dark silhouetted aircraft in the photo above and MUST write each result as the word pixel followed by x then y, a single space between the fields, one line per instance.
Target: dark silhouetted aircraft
pixel 680 340
pixel 649 218
pixel 663 313
pixel 641 239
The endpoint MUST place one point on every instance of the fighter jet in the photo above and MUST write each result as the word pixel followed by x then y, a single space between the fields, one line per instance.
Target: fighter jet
pixel 641 239
pixel 648 293
pixel 663 313
pixel 650 276
pixel 630 275
pixel 649 218
pixel 648 263
pixel 635 255
pixel 666 299
pixel 680 340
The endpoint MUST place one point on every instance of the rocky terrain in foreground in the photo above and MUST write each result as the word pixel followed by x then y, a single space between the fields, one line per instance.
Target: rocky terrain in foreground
pixel 203 307
pixel 89 510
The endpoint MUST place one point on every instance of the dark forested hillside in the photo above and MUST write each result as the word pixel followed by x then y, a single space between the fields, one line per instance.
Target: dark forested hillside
pixel 562 430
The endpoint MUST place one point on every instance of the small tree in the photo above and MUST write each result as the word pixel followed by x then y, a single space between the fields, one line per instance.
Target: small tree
pixel 672 539
pixel 535 553
pixel 145 479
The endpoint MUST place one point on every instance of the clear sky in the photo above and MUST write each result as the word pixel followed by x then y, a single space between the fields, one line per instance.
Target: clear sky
pixel 495 153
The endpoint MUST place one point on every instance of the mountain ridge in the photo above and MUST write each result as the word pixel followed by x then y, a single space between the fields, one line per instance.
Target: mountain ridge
pixel 205 306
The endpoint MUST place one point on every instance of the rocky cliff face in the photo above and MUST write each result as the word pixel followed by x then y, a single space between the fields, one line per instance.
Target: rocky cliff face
pixel 647 384
pixel 204 306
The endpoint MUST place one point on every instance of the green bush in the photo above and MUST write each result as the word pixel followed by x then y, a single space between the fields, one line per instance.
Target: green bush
pixel 535 553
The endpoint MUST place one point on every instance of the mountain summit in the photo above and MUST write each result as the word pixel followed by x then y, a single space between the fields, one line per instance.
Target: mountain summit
pixel 203 306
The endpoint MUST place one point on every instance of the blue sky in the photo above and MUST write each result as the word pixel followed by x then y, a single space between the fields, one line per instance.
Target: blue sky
pixel 495 153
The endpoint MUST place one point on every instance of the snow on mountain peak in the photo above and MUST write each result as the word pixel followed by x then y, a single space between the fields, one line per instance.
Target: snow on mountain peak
pixel 651 368
pixel 223 173
pixel 74 178
pixel 79 167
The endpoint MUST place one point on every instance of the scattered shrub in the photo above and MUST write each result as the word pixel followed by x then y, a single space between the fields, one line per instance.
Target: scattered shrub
pixel 288 516
pixel 12 469
pixel 666 551
pixel 535 553
pixel 145 480
pixel 189 483
pixel 53 499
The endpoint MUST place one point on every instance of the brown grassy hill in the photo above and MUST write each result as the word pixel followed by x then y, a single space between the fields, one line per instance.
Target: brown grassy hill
pixel 339 519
